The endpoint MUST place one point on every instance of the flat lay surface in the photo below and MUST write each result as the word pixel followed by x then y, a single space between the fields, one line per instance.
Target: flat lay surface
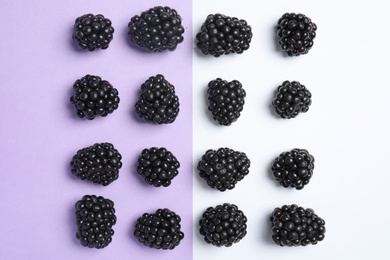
pixel 345 129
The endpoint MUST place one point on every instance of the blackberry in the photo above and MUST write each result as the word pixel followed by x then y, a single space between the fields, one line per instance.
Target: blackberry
pixel 158 166
pixel 157 102
pixel 99 163
pixel 293 168
pixel 223 168
pixel 157 29
pixel 95 218
pixel 296 226
pixel 291 98
pixel 93 96
pixel 225 100
pixel 159 230
pixel 221 35
pixel 296 33
pixel 93 32
pixel 223 225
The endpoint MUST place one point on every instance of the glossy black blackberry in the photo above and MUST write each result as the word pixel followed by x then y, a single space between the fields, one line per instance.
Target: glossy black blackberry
pixel 221 35
pixel 223 168
pixel 159 230
pixel 225 100
pixel 93 32
pixel 158 102
pixel 158 166
pixel 95 218
pixel 93 97
pixel 99 163
pixel 293 168
pixel 291 98
pixel 296 226
pixel 157 29
pixel 296 33
pixel 223 225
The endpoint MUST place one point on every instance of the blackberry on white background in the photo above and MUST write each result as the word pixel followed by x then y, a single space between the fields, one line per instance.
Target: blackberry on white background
pixel 158 166
pixel 223 225
pixel 93 32
pixel 225 100
pixel 293 168
pixel 221 34
pixel 93 97
pixel 95 218
pixel 158 102
pixel 296 33
pixel 293 225
pixel 157 29
pixel 159 230
pixel 291 98
pixel 223 168
pixel 99 163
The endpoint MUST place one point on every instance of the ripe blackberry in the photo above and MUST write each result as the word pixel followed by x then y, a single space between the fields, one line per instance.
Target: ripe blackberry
pixel 296 33
pixel 223 225
pixel 93 32
pixel 221 34
pixel 157 29
pixel 296 226
pixel 95 218
pixel 93 96
pixel 223 168
pixel 293 168
pixel 157 102
pixel 225 100
pixel 159 230
pixel 291 98
pixel 158 166
pixel 99 163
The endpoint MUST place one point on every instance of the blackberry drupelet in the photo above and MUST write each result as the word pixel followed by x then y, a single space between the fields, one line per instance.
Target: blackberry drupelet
pixel 159 230
pixel 157 29
pixel 99 163
pixel 158 102
pixel 95 218
pixel 296 33
pixel 94 97
pixel 221 35
pixel 225 100
pixel 223 225
pixel 223 168
pixel 93 32
pixel 291 98
pixel 158 166
pixel 295 226
pixel 293 168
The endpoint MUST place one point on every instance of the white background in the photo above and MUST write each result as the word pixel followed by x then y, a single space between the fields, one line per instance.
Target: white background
pixel 346 128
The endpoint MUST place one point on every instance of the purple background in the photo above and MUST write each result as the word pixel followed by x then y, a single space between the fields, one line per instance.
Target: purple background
pixel 40 133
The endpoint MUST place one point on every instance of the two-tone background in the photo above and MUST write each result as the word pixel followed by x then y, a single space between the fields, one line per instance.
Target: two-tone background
pixel 346 128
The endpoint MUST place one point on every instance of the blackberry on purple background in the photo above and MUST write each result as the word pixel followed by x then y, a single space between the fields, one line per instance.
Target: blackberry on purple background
pixel 93 97
pixel 225 100
pixel 293 225
pixel 221 34
pixel 95 218
pixel 293 168
pixel 157 29
pixel 296 33
pixel 99 163
pixel 159 230
pixel 222 169
pixel 223 225
pixel 157 102
pixel 158 166
pixel 291 98
pixel 93 32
